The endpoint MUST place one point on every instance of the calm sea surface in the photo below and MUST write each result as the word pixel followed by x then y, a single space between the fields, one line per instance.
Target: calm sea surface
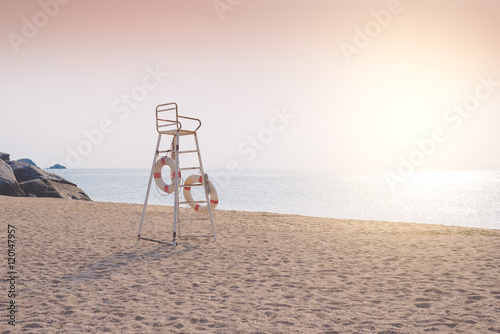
pixel 469 199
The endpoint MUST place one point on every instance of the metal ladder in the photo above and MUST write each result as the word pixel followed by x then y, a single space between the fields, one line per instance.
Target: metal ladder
pixel 171 127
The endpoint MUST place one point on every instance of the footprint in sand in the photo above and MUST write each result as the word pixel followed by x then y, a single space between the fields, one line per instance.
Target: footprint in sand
pixel 423 305
pixel 423 302
pixel 473 299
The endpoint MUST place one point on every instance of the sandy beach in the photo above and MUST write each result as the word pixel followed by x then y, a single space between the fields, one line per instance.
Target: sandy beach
pixel 78 271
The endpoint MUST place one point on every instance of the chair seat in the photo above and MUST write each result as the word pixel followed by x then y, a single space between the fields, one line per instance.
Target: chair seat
pixel 174 132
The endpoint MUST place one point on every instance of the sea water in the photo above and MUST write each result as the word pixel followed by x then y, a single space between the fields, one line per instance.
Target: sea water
pixel 470 199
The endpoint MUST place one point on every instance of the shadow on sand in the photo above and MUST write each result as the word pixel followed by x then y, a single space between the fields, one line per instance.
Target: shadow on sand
pixel 111 264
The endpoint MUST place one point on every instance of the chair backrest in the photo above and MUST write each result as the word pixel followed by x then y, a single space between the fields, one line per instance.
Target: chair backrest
pixel 167 117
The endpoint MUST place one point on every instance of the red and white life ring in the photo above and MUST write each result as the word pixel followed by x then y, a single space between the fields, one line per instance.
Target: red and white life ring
pixel 214 199
pixel 168 188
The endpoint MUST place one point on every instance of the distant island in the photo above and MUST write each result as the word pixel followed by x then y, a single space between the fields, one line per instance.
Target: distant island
pixel 28 161
pixel 57 166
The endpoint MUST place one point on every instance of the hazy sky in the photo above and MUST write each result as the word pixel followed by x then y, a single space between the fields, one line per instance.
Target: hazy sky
pixel 282 84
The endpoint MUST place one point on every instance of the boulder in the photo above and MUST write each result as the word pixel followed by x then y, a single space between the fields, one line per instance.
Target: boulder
pixel 8 183
pixel 39 188
pixel 26 172
pixel 4 156
pixel 37 182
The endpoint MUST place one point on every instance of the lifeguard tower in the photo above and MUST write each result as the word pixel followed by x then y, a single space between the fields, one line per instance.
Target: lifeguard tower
pixel 170 123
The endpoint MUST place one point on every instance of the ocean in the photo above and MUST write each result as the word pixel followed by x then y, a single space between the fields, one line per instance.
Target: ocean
pixel 469 199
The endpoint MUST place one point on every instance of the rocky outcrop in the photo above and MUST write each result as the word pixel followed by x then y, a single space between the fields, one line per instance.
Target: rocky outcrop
pixel 4 156
pixel 26 172
pixel 37 182
pixel 8 182
pixel 19 178
pixel 40 188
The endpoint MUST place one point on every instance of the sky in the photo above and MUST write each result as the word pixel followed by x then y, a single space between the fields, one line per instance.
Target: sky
pixel 325 85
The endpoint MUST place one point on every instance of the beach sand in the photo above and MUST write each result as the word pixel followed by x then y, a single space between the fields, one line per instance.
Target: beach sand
pixel 78 271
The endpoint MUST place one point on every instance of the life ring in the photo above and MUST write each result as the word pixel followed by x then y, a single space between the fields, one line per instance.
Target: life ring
pixel 214 199
pixel 168 188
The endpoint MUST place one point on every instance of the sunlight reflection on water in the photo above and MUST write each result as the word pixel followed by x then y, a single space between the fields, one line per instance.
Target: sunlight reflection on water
pixel 450 198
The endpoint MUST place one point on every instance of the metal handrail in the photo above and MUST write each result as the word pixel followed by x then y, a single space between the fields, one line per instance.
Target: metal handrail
pixel 194 119
pixel 169 122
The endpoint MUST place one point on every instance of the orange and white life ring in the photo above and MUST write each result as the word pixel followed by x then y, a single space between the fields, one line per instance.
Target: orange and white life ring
pixel 168 188
pixel 214 199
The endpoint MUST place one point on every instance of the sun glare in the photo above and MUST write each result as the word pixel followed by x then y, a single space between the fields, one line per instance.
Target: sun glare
pixel 414 106
pixel 405 104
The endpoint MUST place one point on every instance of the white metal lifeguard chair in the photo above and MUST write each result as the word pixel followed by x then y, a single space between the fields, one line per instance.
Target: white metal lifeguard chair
pixel 168 123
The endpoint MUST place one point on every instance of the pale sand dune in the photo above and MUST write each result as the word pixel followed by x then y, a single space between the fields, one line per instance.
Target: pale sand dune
pixel 267 273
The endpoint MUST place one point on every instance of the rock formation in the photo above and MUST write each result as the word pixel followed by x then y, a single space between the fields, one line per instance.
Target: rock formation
pixel 8 183
pixel 4 156
pixel 19 178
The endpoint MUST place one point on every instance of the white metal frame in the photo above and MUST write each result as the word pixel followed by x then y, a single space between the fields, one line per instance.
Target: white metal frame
pixel 174 128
